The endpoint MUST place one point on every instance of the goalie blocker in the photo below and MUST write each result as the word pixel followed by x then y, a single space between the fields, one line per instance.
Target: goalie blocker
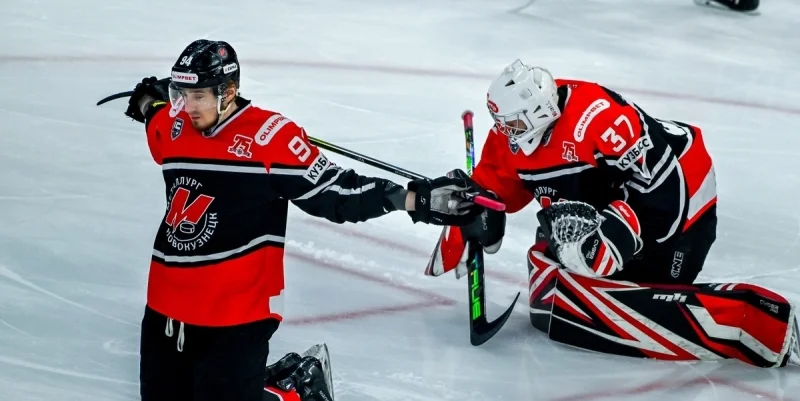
pixel 711 321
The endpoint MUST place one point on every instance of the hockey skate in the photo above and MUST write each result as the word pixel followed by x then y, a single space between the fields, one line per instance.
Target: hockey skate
pixel 309 374
pixel 320 353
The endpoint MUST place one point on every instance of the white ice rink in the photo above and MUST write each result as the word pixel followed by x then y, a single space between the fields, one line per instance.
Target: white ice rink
pixel 80 198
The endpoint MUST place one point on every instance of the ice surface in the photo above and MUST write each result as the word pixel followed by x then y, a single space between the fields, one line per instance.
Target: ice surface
pixel 80 199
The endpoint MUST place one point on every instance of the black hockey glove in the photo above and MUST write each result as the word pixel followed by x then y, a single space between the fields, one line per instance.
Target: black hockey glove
pixel 488 228
pixel 282 369
pixel 437 202
pixel 158 89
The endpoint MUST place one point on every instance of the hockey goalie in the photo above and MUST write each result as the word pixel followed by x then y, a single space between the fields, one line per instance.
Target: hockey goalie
pixel 628 217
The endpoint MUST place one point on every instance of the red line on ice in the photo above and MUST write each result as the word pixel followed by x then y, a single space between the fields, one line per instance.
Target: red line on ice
pixel 383 69
pixel 399 246
pixel 428 299
pixel 361 313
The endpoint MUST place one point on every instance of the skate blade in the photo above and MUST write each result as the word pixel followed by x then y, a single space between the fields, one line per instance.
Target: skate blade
pixel 320 351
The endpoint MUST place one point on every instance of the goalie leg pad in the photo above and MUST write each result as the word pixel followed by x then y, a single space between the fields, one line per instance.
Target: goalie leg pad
pixel 448 253
pixel 688 322
pixel 542 273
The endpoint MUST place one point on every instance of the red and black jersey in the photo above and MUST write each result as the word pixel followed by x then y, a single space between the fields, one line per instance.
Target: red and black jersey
pixel 604 148
pixel 218 254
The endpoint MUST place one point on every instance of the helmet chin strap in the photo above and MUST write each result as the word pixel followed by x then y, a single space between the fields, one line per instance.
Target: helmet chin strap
pixel 220 111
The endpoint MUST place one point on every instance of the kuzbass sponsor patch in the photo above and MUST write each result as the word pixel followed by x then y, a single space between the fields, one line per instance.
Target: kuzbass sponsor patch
pixel 317 168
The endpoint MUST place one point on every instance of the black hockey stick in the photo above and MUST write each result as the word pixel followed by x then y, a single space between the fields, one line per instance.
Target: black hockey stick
pixel 479 199
pixel 480 328
pixel 115 97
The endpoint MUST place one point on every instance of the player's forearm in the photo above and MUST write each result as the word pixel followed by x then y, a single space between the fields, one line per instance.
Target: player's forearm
pixel 401 199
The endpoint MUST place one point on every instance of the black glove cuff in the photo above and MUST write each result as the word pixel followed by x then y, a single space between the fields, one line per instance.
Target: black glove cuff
pixel 422 200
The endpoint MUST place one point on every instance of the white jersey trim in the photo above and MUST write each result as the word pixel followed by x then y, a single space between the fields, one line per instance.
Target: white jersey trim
pixel 220 255
pixel 226 168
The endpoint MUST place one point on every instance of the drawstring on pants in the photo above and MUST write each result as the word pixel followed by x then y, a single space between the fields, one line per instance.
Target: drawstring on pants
pixel 181 336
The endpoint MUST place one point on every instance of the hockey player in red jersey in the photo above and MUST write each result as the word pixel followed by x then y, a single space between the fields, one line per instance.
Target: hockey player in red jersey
pixel 216 282
pixel 626 198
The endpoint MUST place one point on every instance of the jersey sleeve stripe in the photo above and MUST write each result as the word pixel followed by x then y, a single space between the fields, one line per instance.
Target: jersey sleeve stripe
pixel 351 191
pixel 662 177
pixel 565 170
pixel 704 195
pixel 321 187
pixel 682 203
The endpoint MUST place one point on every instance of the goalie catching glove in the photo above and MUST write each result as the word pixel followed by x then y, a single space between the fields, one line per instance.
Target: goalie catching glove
pixel 591 243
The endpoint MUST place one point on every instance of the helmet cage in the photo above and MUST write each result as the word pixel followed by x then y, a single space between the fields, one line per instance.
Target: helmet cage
pixel 523 103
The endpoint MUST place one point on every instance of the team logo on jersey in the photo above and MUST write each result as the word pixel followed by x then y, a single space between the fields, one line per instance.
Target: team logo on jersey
pixel 190 225
pixel 177 127
pixel 588 115
pixel 241 146
pixel 634 153
pixel 569 154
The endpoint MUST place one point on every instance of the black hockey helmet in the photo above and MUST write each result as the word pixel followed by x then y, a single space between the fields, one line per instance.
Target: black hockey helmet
pixel 206 64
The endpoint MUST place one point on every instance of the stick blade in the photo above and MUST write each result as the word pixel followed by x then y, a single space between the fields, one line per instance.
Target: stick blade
pixel 114 97
pixel 483 330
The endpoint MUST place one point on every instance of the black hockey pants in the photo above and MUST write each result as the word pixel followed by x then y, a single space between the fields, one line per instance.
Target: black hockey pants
pixel 182 362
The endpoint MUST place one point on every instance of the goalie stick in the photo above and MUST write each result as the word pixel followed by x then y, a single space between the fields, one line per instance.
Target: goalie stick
pixel 480 328
pixel 479 199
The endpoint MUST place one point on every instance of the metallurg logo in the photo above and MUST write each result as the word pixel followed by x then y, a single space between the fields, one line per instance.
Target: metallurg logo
pixel 189 224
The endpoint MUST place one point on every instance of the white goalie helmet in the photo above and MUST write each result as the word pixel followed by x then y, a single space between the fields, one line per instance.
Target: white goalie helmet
pixel 523 102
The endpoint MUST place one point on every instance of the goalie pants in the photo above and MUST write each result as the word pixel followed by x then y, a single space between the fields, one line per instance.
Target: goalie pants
pixel 677 261
pixel 183 362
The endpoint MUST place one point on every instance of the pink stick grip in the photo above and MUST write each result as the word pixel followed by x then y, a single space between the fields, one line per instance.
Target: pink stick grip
pixel 467 117
pixel 490 203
